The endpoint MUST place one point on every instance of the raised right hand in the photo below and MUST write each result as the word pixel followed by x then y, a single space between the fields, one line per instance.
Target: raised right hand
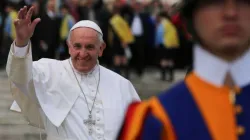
pixel 24 27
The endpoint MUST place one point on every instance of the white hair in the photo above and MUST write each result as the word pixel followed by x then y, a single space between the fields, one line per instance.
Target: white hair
pixel 99 36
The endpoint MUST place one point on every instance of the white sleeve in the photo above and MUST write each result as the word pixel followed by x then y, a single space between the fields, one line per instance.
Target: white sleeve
pixel 20 51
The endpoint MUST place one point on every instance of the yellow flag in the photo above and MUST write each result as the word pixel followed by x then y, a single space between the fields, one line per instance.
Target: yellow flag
pixel 171 38
pixel 122 29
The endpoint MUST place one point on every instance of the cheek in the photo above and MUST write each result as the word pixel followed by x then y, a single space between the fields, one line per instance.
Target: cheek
pixel 73 53
pixel 93 54
pixel 205 24
pixel 247 23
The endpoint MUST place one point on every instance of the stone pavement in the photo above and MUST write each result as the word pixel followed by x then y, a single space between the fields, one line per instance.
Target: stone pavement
pixel 13 126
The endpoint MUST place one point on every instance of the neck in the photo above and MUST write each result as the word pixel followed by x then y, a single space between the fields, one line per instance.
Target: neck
pixel 229 81
pixel 229 58
pixel 83 72
pixel 230 54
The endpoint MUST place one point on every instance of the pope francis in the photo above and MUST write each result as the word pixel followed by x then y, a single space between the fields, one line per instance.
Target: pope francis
pixel 74 99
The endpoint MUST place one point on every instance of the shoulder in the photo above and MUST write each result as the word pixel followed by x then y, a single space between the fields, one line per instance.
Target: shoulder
pixel 133 122
pixel 142 121
pixel 174 92
pixel 112 75
pixel 170 99
pixel 47 61
pixel 148 119
pixel 48 64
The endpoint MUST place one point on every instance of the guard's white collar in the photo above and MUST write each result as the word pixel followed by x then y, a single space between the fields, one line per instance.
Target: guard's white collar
pixel 213 69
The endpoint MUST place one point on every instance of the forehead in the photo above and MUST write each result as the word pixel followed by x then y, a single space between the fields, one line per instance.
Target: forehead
pixel 207 2
pixel 83 33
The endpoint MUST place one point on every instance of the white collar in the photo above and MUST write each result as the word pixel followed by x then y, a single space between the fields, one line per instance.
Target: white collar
pixel 213 69
pixel 51 14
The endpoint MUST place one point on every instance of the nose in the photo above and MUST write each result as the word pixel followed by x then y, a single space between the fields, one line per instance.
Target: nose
pixel 230 9
pixel 83 53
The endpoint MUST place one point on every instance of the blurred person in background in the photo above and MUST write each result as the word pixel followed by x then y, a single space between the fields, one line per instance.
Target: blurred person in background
pixel 67 23
pixel 150 7
pixel 73 8
pixel 167 42
pixel 49 30
pixel 1 38
pixel 90 9
pixel 186 41
pixel 35 39
pixel 213 100
pixel 103 20
pixel 138 21
pixel 122 38
pixel 2 16
pixel 9 29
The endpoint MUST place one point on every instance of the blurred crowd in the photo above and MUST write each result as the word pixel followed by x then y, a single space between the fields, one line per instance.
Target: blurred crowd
pixel 137 33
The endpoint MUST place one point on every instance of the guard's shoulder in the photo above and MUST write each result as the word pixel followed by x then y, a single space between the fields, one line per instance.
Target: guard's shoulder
pixel 133 122
pixel 174 92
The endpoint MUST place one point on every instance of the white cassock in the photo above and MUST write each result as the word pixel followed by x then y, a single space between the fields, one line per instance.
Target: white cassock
pixel 47 90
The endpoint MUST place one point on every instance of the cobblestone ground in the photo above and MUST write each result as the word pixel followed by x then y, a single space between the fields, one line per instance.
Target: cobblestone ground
pixel 14 127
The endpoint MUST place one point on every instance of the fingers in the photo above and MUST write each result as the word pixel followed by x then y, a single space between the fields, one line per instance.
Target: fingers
pixel 22 12
pixel 19 14
pixel 16 22
pixel 34 23
pixel 25 12
pixel 29 14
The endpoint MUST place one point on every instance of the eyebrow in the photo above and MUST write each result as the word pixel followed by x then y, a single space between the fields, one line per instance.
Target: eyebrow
pixel 90 45
pixel 77 44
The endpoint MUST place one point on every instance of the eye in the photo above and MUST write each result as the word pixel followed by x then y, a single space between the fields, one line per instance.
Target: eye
pixel 90 47
pixel 77 46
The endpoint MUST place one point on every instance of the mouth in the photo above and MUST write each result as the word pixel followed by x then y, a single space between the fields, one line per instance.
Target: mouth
pixel 231 30
pixel 83 59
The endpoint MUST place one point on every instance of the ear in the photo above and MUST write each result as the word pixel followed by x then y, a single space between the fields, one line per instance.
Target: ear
pixel 68 44
pixel 102 47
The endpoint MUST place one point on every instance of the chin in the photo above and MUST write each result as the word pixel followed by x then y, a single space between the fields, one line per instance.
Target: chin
pixel 83 69
pixel 231 43
pixel 232 47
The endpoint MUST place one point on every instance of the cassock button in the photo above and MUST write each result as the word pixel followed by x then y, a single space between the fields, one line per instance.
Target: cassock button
pixel 238 109
pixel 240 130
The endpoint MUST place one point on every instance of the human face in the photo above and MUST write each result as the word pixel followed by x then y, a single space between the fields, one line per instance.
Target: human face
pixel 85 48
pixel 51 5
pixel 223 26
